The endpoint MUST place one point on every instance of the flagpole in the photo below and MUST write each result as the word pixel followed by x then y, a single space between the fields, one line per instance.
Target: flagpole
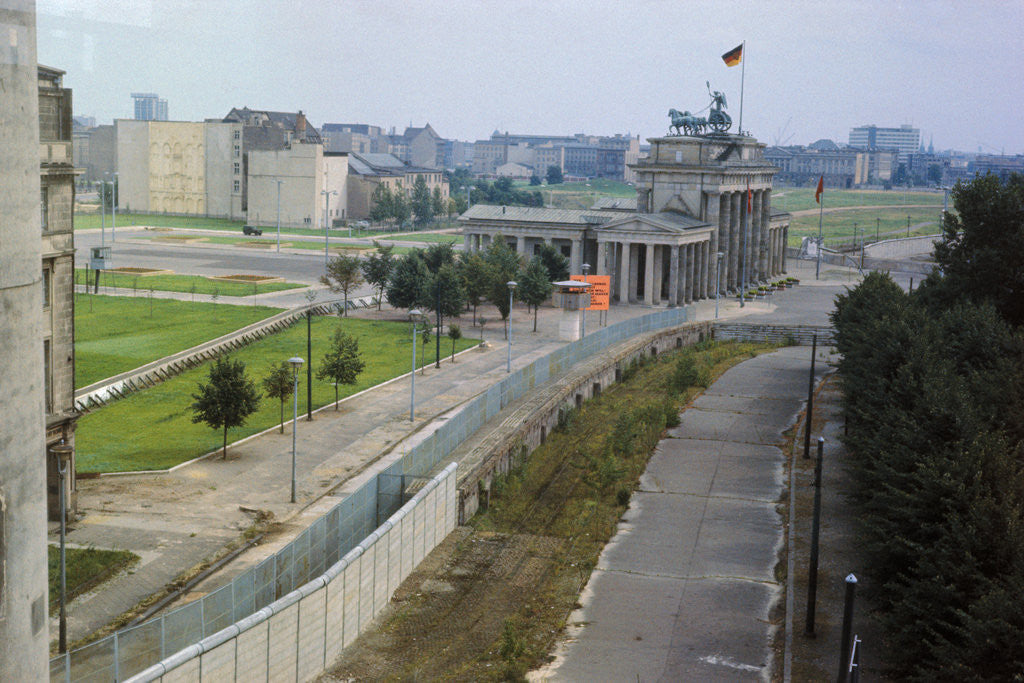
pixel 743 76
pixel 817 266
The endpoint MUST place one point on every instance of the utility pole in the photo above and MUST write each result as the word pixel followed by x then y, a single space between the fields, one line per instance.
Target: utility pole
pixel 279 216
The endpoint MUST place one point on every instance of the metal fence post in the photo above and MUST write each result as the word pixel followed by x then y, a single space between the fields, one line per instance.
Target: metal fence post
pixel 844 644
pixel 117 658
pixel 812 572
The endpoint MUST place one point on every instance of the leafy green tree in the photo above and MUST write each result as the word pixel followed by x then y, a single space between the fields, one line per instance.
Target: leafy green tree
pixel 535 180
pixel 437 203
pixel 344 273
pixel 534 286
pixel 382 203
pixel 438 255
pixel 227 399
pixel 982 249
pixel 400 208
pixel 475 278
pixel 504 267
pixel 407 286
pixel 554 175
pixel 455 334
pixel 377 268
pixel 457 205
pixel 342 362
pixel 279 384
pixel 556 263
pixel 422 208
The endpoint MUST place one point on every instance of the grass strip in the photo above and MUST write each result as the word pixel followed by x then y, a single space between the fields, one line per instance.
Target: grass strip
pixel 191 284
pixel 87 221
pixel 889 223
pixel 802 198
pixel 115 334
pixel 85 568
pixel 517 575
pixel 152 429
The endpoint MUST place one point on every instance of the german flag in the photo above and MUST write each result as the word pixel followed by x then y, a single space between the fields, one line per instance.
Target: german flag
pixel 733 56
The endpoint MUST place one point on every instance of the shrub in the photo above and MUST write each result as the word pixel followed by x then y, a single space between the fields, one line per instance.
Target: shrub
pixel 684 375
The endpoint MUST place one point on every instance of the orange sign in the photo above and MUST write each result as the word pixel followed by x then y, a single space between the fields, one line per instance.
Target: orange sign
pixel 600 287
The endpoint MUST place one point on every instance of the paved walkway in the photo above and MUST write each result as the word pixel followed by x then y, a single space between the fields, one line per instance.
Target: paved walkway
pixel 685 589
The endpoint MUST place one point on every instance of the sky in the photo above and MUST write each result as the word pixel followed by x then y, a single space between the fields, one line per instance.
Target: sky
pixel 469 67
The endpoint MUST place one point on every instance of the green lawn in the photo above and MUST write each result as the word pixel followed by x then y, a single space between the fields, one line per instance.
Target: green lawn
pixel 84 221
pixel 266 244
pixel 802 198
pixel 181 283
pixel 442 238
pixel 152 429
pixel 841 224
pixel 116 334
pixel 84 569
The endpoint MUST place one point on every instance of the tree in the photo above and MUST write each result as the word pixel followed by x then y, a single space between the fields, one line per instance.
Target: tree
pixel 476 278
pixel 455 334
pixel 534 286
pixel 982 249
pixel 437 255
pixel 400 208
pixel 377 268
pixel 407 286
pixel 555 175
pixel 383 203
pixel 227 399
pixel 504 266
pixel 279 384
pixel 556 263
pixel 437 203
pixel 344 273
pixel 457 204
pixel 342 363
pixel 422 208
pixel 535 180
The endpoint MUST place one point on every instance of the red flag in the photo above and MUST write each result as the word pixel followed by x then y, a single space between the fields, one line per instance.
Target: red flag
pixel 821 188
pixel 750 199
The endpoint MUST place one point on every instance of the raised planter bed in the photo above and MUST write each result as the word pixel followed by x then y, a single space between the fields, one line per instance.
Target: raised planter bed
pixel 251 279
pixel 141 272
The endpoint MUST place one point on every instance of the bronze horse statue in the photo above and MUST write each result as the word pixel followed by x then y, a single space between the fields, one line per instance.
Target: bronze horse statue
pixel 685 121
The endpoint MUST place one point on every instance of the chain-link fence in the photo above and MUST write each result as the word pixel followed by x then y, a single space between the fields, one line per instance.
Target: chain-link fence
pixel 328 539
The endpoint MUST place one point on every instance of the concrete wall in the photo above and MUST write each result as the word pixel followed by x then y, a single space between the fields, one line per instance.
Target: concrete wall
pixel 299 169
pixel 23 588
pixel 132 163
pixel 297 637
pixel 903 247
pixel 222 200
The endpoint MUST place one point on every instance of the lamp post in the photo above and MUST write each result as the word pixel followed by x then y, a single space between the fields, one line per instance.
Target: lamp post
pixel 718 279
pixel 327 198
pixel 511 289
pixel 583 315
pixel 415 315
pixel 296 363
pixel 113 209
pixel 279 216
pixel 62 470
pixel 103 213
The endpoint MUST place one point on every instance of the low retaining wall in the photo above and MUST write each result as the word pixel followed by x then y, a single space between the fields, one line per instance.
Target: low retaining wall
pixel 880 264
pixel 527 426
pixel 798 334
pixel 902 247
pixel 297 637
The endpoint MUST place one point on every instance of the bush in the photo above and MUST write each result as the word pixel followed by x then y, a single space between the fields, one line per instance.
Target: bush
pixel 684 375
pixel 622 497
pixel 671 413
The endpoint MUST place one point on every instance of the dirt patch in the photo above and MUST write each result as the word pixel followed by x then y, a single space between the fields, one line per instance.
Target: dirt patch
pixel 251 279
pixel 143 272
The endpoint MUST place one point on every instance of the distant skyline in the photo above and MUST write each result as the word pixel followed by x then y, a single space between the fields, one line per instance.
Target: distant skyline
pixel 813 69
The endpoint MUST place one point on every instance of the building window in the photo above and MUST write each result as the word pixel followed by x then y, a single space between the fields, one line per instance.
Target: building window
pixel 238 151
pixel 238 134
pixel 47 382
pixel 46 288
pixel 236 186
pixel 44 208
pixel 237 168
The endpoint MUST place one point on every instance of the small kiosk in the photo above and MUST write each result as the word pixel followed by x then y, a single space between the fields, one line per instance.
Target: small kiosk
pixel 574 298
pixel 99 259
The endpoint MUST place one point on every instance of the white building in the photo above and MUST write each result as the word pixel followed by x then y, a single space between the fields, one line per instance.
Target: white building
pixel 304 172
pixel 906 139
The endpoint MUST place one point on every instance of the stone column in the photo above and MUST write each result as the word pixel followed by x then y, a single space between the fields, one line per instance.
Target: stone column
pixel 734 240
pixel 673 276
pixel 766 211
pixel 625 265
pixel 684 273
pixel 785 240
pixel 467 242
pixel 692 270
pixel 713 215
pixel 702 271
pixel 634 271
pixel 601 267
pixel 520 245
pixel 659 256
pixel 576 258
pixel 755 238
pixel 649 275
pixel 724 221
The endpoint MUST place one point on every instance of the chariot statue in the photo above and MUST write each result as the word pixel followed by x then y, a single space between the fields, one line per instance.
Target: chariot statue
pixel 717 120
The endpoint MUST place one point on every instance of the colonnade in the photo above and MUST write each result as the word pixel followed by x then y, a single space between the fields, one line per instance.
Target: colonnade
pixel 676 272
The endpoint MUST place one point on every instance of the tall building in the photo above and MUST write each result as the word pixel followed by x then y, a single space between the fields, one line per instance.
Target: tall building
pixel 24 636
pixel 906 139
pixel 149 107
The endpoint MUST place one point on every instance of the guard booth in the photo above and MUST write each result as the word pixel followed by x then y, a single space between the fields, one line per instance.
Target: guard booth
pixel 574 298
pixel 99 259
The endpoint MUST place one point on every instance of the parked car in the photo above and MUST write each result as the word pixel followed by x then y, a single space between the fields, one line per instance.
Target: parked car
pixel 251 230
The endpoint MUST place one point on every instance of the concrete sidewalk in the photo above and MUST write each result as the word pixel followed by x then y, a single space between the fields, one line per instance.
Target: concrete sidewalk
pixel 686 588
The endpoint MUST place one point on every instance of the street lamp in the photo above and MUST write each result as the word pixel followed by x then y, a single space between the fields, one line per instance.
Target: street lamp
pixel 295 362
pixel 113 209
pixel 279 216
pixel 414 314
pixel 327 198
pixel 718 279
pixel 583 317
pixel 511 289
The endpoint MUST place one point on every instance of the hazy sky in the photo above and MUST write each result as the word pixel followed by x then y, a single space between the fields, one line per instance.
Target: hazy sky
pixel 814 69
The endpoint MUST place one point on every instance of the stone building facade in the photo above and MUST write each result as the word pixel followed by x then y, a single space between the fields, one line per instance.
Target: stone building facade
pixel 696 197
pixel 56 216
pixel 24 636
